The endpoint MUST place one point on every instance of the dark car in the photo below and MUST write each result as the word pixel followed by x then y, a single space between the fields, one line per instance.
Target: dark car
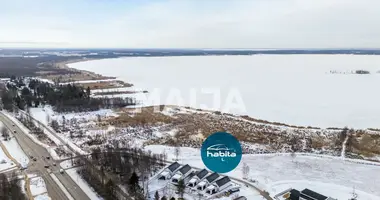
pixel 34 159
pixel 14 131
pixel 47 157
pixel 46 166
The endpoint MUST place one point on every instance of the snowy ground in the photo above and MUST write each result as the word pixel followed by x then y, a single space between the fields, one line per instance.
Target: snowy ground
pixel 37 186
pixel 293 89
pixel 42 197
pixel 268 170
pixel 16 152
pixel 46 114
pixel 82 184
pixel 42 114
pixel 5 162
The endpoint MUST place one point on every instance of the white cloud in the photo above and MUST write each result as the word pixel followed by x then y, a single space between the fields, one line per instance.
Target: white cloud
pixel 212 24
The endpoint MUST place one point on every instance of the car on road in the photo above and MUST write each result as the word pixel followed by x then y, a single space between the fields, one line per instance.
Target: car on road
pixel 13 124
pixel 34 159
pixel 61 171
pixel 14 131
pixel 48 157
pixel 54 164
pixel 46 166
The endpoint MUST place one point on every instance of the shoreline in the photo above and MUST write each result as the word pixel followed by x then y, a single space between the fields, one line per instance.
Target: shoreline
pixel 65 65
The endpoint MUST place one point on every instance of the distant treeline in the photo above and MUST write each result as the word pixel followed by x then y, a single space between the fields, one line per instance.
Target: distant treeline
pixel 63 98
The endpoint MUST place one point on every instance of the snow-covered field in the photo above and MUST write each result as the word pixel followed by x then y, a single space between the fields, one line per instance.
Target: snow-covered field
pixel 82 184
pixel 275 173
pixel 37 186
pixel 5 162
pixel 16 152
pixel 44 114
pixel 293 89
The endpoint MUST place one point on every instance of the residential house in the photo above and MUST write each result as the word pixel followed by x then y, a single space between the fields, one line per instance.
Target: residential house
pixel 199 176
pixel 182 173
pixel 207 181
pixel 169 171
pixel 307 194
pixel 219 185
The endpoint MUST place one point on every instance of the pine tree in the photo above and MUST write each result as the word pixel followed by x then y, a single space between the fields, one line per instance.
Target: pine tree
pixel 110 190
pixel 181 187
pixel 156 196
pixel 134 183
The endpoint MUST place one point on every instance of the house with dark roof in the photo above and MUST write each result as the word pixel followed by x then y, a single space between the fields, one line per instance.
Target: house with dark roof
pixel 182 173
pixel 219 185
pixel 199 176
pixel 306 194
pixel 169 171
pixel 207 181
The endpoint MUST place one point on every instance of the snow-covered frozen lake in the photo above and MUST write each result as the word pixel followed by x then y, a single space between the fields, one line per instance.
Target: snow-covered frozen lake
pixel 294 89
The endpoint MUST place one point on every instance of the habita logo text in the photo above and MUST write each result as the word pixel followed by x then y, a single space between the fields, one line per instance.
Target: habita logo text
pixel 221 152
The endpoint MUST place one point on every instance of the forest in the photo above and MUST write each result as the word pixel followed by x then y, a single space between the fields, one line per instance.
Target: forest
pixel 10 188
pixel 24 93
pixel 130 168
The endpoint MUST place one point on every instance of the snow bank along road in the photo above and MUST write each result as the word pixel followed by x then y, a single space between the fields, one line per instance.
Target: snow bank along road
pixel 32 149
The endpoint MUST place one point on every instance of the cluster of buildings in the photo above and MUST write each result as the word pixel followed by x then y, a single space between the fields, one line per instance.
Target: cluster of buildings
pixel 202 180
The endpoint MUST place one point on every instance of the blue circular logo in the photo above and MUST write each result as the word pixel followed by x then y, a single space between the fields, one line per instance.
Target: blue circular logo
pixel 221 152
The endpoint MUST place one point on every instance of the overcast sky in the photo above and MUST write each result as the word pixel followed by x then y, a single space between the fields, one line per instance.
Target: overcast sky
pixel 190 24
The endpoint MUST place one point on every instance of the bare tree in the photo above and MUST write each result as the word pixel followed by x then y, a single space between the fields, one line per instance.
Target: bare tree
pixel 177 151
pixel 5 133
pixel 293 155
pixel 245 171
pixel 48 119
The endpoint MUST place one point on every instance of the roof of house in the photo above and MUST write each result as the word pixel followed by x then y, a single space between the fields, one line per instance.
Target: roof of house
pixel 177 176
pixel 294 194
pixel 202 183
pixel 185 169
pixel 164 173
pixel 174 166
pixel 309 194
pixel 223 181
pixel 201 174
pixel 212 177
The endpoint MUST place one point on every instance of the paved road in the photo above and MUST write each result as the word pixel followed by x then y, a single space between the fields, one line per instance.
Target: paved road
pixel 38 167
pixel 121 194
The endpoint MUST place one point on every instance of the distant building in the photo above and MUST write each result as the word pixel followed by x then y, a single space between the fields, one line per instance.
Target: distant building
pixel 169 171
pixel 207 181
pixel 219 185
pixel 182 173
pixel 199 176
